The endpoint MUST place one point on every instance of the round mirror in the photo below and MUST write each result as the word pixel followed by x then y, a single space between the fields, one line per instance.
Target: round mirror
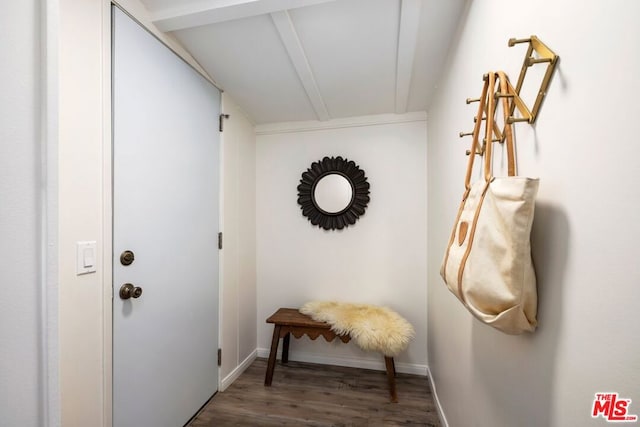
pixel 333 193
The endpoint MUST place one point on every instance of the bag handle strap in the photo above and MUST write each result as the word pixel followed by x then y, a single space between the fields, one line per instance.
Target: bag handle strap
pixel 508 130
pixel 476 132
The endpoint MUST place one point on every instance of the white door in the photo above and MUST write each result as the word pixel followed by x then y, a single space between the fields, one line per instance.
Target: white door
pixel 165 211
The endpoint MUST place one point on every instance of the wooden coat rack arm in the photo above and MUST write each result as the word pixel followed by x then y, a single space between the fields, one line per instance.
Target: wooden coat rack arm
pixel 544 56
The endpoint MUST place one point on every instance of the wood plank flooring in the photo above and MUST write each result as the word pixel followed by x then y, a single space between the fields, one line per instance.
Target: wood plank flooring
pixel 305 394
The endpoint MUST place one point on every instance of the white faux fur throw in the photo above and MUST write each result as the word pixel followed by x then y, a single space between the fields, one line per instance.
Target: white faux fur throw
pixel 372 327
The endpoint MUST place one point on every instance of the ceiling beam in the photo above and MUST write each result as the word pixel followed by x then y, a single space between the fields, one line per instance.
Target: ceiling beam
pixel 407 40
pixel 206 12
pixel 298 57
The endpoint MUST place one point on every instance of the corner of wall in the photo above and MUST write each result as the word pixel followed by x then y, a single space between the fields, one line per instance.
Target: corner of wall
pixel 238 261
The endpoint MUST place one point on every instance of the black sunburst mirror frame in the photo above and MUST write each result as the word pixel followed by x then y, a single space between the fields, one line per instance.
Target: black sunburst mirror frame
pixel 359 186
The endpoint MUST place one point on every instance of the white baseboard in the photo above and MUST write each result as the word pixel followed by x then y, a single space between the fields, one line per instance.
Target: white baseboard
pixel 352 362
pixel 443 418
pixel 233 375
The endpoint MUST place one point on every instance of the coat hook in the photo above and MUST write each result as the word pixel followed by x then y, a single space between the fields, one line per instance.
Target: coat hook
pixel 484 140
pixel 514 41
pixel 462 134
pixel 530 61
pixel 511 120
pixel 503 95
pixel 479 151
pixel 475 119
pixel 470 100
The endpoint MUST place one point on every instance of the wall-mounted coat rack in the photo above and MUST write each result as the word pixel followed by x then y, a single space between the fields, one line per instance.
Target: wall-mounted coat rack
pixel 482 116
pixel 543 55
pixel 537 53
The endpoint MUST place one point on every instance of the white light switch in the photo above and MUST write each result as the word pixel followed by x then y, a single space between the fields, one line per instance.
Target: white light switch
pixel 86 257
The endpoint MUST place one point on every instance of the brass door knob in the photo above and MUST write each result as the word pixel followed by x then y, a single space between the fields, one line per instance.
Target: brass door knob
pixel 129 291
pixel 126 258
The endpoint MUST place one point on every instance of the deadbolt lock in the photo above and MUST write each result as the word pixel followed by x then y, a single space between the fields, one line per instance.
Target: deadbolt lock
pixel 126 258
pixel 129 291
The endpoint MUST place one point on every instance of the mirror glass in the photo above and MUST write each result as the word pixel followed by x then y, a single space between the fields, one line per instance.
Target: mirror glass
pixel 333 193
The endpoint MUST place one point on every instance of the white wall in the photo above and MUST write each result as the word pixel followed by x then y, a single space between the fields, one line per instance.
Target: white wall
pixel 85 209
pixel 584 148
pixel 25 326
pixel 238 256
pixel 379 260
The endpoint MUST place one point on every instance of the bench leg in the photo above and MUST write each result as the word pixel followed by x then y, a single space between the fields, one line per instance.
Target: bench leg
pixel 272 355
pixel 391 377
pixel 285 347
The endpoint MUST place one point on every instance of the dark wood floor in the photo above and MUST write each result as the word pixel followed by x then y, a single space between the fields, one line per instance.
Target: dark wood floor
pixel 305 394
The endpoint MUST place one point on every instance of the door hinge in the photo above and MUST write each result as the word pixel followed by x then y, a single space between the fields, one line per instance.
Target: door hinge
pixel 220 240
pixel 219 357
pixel 221 118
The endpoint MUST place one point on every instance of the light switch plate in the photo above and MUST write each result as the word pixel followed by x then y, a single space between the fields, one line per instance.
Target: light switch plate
pixel 86 257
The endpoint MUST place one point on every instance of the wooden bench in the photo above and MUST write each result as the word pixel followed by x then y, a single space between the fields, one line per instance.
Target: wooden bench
pixel 289 321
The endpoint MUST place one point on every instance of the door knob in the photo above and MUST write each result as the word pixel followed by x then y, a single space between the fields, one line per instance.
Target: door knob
pixel 126 258
pixel 129 291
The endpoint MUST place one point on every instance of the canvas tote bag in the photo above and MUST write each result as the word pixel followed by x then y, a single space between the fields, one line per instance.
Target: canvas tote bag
pixel 487 264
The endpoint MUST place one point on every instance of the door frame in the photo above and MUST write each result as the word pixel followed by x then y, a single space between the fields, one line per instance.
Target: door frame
pixel 128 8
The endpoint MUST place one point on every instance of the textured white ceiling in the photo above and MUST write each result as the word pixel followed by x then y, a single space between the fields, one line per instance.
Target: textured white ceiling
pixel 291 60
